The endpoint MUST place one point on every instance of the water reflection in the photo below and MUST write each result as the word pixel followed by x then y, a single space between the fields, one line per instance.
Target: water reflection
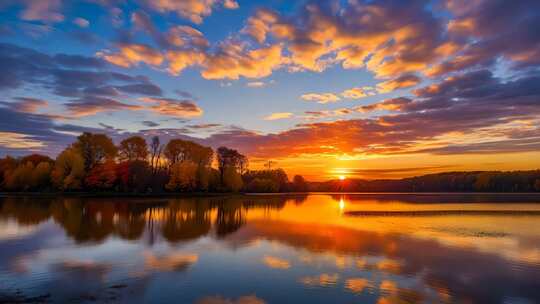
pixel 267 249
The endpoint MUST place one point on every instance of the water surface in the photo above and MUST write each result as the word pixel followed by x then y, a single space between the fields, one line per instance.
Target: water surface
pixel 319 248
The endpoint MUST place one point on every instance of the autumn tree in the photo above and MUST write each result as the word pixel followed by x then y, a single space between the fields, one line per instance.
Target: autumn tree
pixel 102 176
pixel 133 148
pixel 7 165
pixel 232 181
pixel 68 172
pixel 178 150
pixel 20 178
pixel 41 175
pixel 94 149
pixel 183 177
pixel 35 159
pixel 137 176
pixel 229 158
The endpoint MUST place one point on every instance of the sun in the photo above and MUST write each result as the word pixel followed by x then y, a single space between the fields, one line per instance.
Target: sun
pixel 342 177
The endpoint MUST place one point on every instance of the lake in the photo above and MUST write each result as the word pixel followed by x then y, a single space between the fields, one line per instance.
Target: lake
pixel 316 248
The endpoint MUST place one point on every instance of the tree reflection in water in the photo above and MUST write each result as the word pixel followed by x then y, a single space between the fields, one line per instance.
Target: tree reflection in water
pixel 88 220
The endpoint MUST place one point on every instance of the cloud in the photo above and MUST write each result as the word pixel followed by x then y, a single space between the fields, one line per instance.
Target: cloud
pixel 488 29
pixel 204 126
pixel 327 113
pixel 380 36
pixel 91 105
pixel 66 75
pixel 132 54
pixel 279 115
pixel 357 93
pixel 149 123
pixel 256 84
pixel 81 22
pixel 174 107
pixel 193 10
pixel 28 105
pixel 401 82
pixel 393 104
pixel 321 98
pixel 43 10
pixel 13 140
pixel 233 61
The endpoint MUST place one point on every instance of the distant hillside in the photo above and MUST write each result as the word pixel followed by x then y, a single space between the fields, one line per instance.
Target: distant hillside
pixel 476 181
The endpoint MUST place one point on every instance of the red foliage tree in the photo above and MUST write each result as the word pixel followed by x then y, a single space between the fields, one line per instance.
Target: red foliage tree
pixel 102 176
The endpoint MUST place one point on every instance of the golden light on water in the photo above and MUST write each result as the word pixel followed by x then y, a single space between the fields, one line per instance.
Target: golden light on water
pixel 341 204
pixel 342 177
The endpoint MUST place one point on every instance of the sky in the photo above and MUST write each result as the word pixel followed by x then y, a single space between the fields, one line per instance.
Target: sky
pixel 363 89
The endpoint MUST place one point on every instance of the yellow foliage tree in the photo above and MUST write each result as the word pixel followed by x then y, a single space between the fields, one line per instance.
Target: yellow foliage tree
pixel 183 177
pixel 68 172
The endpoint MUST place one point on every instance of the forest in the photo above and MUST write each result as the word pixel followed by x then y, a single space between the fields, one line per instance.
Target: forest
pixel 93 163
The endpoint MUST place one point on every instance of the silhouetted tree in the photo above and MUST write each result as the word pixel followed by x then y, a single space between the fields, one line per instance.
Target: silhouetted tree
pixel 155 153
pixel 299 184
pixel 229 158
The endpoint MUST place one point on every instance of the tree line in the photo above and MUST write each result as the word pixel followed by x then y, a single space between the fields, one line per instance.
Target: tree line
pixel 94 163
pixel 474 181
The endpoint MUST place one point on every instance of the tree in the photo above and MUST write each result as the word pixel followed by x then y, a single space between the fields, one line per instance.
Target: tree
pixel 41 176
pixel 232 179
pixel 482 182
pixel 133 148
pixel 7 165
pixel 537 185
pixel 102 176
pixel 68 172
pixel 229 158
pixel 95 148
pixel 137 176
pixel 183 177
pixel 299 184
pixel 35 159
pixel 178 150
pixel 20 178
pixel 155 151
pixel 262 185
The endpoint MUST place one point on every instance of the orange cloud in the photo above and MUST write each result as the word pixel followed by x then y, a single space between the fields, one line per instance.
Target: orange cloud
pixel 357 93
pixel 19 141
pixel 233 61
pixel 280 115
pixel 401 82
pixel 131 54
pixel 173 107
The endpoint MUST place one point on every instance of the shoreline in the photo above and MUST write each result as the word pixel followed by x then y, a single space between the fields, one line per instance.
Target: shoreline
pixel 228 194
